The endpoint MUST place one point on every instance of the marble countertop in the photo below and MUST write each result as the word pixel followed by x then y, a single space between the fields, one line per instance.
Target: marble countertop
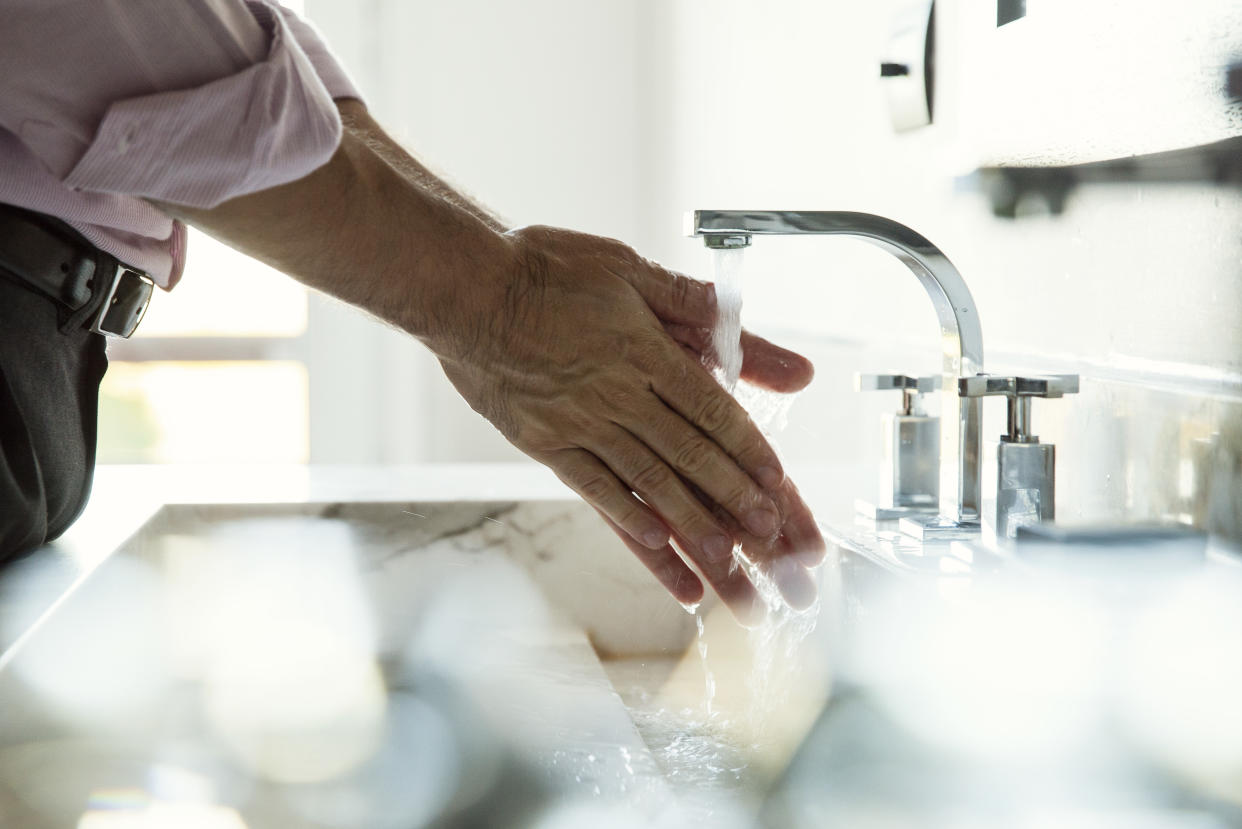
pixel 436 594
pixel 409 529
pixel 611 697
pixel 124 498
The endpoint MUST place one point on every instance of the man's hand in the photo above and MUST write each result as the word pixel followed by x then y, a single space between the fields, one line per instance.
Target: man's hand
pixel 592 364
pixel 586 356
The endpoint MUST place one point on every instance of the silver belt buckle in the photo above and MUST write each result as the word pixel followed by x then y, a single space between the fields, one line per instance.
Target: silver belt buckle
pixel 123 308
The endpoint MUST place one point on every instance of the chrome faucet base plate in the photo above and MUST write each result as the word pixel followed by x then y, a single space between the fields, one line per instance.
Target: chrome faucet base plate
pixel 939 528
pixel 873 511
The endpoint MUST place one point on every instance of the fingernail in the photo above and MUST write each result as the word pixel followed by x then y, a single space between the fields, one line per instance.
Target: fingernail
pixel 762 522
pixel 769 477
pixel 795 584
pixel 717 547
pixel 655 539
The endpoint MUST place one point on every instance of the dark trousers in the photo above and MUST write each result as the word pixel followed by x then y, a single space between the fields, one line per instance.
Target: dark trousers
pixel 50 369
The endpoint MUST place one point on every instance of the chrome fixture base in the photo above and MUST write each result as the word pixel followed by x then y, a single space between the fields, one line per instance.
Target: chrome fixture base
pixel 874 512
pixel 939 528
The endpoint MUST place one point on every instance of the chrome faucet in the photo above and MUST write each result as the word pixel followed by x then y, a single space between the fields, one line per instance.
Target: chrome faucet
pixel 1025 468
pixel 961 336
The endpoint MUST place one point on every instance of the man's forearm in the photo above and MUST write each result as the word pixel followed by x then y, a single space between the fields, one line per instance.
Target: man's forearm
pixel 376 231
pixel 358 120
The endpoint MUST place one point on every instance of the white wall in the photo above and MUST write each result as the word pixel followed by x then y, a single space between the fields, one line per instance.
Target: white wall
pixel 616 116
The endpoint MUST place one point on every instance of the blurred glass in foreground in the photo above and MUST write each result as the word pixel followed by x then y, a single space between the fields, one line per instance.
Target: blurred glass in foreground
pixel 1083 689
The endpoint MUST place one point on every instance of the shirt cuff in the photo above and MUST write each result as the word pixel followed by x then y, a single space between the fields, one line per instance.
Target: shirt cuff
pixel 333 75
pixel 272 123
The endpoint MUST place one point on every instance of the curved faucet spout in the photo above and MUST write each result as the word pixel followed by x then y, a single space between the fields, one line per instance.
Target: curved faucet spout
pixel 961 335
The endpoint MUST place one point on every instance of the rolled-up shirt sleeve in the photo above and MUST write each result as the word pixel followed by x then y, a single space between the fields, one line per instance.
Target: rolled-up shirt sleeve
pixel 334 77
pixel 194 110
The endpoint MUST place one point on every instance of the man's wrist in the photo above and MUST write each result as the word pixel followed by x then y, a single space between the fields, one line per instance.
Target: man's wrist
pixel 462 288
pixel 423 264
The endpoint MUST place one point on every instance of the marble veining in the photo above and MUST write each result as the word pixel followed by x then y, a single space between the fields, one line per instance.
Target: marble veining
pixel 502 603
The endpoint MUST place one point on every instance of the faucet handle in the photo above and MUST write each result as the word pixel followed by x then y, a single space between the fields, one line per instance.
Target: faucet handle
pixel 912 388
pixel 1025 468
pixel 1043 385
pixel 1019 391
pixel 886 382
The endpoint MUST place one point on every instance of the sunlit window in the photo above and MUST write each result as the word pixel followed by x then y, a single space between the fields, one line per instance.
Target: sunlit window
pixel 191 412
pixel 225 294
pixel 188 388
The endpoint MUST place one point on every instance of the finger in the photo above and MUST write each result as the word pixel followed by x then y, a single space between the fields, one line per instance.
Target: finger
pixel 730 583
pixel 768 365
pixel 691 392
pixel 673 297
pixel 697 458
pixel 793 581
pixel 797 522
pixel 598 486
pixel 764 363
pixel 800 535
pixel 800 529
pixel 699 339
pixel 777 558
pixel 652 479
pixel 665 565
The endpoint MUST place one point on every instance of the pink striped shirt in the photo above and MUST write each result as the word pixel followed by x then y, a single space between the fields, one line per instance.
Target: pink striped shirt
pixel 106 102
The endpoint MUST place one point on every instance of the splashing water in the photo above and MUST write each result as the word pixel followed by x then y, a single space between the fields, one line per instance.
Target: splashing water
pixel 768 409
pixel 709 678
pixel 727 335
pixel 784 629
pixel 727 348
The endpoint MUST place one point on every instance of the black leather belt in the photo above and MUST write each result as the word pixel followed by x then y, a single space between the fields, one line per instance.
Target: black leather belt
pixel 56 260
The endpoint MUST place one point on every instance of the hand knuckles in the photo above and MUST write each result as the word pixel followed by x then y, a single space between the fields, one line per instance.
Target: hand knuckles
pixel 623 400
pixel 713 413
pixel 692 455
pixel 653 477
pixel 648 356
pixel 628 256
pixel 697 338
pixel 740 498
pixel 680 290
pixel 752 457
pixel 627 516
pixel 595 488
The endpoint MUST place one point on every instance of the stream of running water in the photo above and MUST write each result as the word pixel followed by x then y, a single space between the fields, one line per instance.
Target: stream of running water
pixel 783 629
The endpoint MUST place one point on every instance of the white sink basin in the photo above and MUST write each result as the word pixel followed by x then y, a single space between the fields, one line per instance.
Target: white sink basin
pixel 263 662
